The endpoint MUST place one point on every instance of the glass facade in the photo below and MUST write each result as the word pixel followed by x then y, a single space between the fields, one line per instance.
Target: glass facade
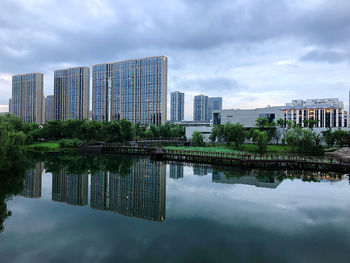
pixel 177 106
pixel 72 93
pixel 200 108
pixel 27 97
pixel 135 90
pixel 214 104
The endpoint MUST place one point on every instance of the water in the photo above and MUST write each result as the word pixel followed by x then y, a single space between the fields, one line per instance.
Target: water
pixel 107 209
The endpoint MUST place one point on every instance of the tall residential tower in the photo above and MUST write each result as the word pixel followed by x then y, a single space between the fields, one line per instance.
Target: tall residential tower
pixel 200 108
pixel 71 93
pixel 27 97
pixel 134 89
pixel 177 107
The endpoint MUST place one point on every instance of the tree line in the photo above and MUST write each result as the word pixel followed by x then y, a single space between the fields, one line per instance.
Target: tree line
pixel 13 131
pixel 301 139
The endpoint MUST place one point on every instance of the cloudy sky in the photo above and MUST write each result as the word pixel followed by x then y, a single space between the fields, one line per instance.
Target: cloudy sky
pixel 253 53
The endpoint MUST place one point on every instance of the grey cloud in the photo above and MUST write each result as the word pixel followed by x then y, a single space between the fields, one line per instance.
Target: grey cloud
pixel 216 86
pixel 62 32
pixel 328 56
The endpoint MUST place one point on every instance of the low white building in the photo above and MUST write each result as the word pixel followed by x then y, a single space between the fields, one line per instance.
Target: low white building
pixel 247 117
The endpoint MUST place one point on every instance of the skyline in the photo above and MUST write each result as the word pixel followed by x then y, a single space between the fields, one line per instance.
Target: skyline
pixel 255 54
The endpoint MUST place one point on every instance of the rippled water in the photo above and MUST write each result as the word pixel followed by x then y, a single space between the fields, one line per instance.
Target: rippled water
pixel 106 209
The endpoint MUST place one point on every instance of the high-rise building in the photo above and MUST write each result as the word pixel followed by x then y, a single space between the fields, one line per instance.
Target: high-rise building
pixel 200 108
pixel 214 104
pixel 135 90
pixel 32 182
pixel 70 188
pixel 10 105
pixel 72 93
pixel 49 109
pixel 177 106
pixel 27 97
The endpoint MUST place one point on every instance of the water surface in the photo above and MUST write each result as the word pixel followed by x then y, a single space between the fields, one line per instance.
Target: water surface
pixel 107 209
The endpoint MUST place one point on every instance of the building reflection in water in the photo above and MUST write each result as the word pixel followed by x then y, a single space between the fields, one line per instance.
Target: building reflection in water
pixel 32 182
pixel 139 194
pixel 200 169
pixel 252 177
pixel 176 170
pixel 70 188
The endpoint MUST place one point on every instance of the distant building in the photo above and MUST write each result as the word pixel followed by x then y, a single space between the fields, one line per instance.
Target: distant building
pixel 72 93
pixel 27 97
pixel 134 89
pixel 177 106
pixel 10 108
pixel 49 109
pixel 328 112
pixel 200 108
pixel 214 104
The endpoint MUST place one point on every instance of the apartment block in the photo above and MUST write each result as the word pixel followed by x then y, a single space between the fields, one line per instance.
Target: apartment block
pixel 134 89
pixel 27 99
pixel 72 93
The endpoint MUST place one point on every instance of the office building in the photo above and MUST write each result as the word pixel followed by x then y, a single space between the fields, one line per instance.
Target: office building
pixel 72 93
pixel 200 108
pixel 49 109
pixel 10 105
pixel 329 113
pixel 214 104
pixel 134 89
pixel 27 99
pixel 177 106
pixel 70 188
pixel 32 182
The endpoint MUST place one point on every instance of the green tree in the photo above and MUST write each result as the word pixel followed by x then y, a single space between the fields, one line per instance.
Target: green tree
pixel 127 130
pixel 328 136
pixel 197 139
pixel 217 133
pixel 235 133
pixel 339 136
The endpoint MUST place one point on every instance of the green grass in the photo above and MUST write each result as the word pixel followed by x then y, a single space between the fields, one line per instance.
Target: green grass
pixel 45 146
pixel 252 148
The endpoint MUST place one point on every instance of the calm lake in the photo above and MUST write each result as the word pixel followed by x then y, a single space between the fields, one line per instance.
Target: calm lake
pixel 107 209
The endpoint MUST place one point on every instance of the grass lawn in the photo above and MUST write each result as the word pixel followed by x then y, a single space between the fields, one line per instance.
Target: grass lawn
pixel 247 148
pixel 45 145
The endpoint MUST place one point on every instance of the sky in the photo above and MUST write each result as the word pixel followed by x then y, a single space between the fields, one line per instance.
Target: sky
pixel 253 53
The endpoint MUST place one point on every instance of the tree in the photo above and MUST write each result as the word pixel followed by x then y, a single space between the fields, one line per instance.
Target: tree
pixel 260 138
pixel 329 137
pixel 197 139
pixel 127 130
pixel 310 123
pixel 217 133
pixel 235 133
pixel 339 136
pixel 307 143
